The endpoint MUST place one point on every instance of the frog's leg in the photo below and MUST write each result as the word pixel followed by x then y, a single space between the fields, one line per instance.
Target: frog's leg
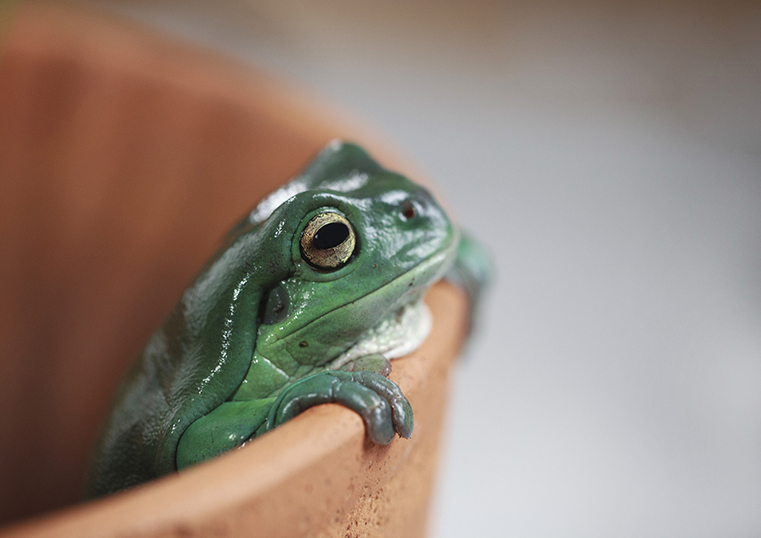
pixel 471 271
pixel 378 400
pixel 224 428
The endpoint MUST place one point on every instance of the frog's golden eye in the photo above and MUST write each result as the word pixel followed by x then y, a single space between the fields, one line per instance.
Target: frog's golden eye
pixel 328 241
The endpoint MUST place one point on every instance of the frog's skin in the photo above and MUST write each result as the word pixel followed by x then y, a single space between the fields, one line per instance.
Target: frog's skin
pixel 278 321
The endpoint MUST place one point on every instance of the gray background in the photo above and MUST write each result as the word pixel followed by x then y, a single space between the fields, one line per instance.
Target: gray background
pixel 610 156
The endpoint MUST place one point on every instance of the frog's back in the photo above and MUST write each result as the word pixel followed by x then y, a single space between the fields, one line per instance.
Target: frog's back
pixel 193 363
pixel 169 387
pixel 126 455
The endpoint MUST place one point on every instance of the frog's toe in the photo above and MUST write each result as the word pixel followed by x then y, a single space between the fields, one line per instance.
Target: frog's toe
pixel 342 388
pixel 378 400
pixel 401 410
pixel 373 408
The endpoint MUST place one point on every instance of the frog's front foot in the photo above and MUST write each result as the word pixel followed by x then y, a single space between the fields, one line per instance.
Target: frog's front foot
pixel 378 400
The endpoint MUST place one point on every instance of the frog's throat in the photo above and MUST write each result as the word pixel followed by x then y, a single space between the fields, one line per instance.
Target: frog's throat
pixel 397 335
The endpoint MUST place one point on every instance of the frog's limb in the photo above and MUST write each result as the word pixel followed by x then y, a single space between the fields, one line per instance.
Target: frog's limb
pixel 378 400
pixel 471 271
pixel 224 428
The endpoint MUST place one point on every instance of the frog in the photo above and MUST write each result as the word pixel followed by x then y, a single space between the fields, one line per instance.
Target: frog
pixel 306 302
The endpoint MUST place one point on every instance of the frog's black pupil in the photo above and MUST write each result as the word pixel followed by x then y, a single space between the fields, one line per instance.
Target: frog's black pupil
pixel 330 236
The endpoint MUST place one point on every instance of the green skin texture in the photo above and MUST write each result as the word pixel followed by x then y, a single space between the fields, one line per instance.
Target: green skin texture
pixel 230 363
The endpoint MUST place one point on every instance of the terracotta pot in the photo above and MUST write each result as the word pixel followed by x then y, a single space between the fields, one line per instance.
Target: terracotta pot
pixel 124 157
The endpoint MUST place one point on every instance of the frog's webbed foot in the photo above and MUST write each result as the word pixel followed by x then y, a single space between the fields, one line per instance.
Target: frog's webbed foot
pixel 379 401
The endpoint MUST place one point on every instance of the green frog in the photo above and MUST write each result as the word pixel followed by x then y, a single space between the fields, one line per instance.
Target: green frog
pixel 305 303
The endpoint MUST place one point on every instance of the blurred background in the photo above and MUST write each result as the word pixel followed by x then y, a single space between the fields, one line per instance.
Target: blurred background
pixel 609 154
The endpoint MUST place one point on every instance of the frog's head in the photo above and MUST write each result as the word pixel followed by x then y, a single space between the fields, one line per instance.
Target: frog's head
pixel 365 243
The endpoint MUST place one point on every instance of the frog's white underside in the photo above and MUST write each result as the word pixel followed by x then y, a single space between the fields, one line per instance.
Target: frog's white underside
pixel 396 336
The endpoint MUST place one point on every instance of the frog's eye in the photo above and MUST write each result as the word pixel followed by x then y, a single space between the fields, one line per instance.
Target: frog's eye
pixel 328 241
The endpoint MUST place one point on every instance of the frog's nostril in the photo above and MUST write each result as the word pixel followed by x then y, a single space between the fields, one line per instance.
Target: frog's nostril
pixel 408 210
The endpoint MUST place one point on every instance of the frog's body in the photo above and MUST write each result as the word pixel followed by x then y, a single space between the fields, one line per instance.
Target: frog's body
pixel 310 296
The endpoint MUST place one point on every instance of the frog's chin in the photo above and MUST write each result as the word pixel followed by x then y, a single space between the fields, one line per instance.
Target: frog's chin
pixel 395 336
